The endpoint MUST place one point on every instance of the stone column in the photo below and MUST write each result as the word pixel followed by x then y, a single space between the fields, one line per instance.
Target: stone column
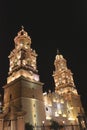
pixel 1 121
pixel 1 124
pixel 13 125
pixel 20 123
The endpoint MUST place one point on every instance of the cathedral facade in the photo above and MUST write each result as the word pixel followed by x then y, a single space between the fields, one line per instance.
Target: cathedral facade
pixel 24 100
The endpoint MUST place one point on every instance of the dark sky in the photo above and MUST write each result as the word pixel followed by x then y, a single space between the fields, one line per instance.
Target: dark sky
pixel 51 25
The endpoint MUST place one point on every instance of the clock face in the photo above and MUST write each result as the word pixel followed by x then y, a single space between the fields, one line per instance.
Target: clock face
pixel 36 77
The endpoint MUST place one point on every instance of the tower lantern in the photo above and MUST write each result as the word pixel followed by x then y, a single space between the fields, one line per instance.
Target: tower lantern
pixel 22 39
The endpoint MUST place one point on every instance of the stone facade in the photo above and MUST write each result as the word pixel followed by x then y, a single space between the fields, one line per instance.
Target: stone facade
pixel 24 100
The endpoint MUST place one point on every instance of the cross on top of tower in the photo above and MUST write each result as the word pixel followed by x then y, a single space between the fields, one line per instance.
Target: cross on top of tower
pixel 22 27
pixel 58 51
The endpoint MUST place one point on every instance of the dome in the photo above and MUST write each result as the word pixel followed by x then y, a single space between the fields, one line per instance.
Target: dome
pixel 22 35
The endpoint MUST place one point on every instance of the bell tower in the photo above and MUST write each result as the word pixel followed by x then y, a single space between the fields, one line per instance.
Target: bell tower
pixel 63 77
pixel 65 87
pixel 23 93
pixel 23 59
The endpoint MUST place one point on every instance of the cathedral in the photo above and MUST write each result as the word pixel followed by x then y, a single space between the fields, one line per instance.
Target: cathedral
pixel 24 100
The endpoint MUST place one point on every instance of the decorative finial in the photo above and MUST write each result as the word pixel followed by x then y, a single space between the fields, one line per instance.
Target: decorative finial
pixel 22 27
pixel 58 52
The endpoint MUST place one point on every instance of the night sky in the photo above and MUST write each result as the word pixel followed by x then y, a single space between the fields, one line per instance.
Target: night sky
pixel 51 25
